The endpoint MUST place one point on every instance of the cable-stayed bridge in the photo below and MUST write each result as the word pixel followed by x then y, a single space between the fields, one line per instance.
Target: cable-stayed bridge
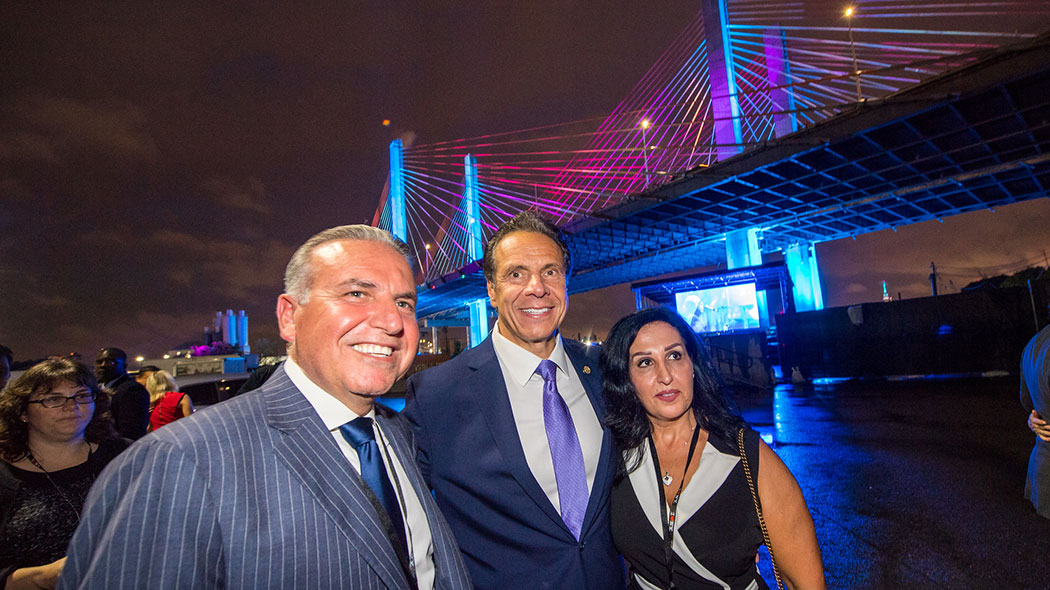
pixel 761 129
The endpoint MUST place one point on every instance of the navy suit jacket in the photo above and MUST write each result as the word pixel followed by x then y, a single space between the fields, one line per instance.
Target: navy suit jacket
pixel 130 407
pixel 510 533
pixel 251 493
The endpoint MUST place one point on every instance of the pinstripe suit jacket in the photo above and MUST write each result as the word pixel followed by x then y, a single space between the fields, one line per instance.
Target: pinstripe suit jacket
pixel 251 493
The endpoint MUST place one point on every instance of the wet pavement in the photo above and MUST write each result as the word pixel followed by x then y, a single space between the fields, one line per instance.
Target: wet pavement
pixel 915 484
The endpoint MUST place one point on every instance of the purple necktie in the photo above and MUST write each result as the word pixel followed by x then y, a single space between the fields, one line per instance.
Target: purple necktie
pixel 565 450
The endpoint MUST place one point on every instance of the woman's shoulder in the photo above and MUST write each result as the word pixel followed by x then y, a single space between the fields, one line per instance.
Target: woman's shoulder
pixel 730 444
pixel 9 479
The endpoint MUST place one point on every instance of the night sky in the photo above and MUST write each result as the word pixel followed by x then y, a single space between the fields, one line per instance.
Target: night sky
pixel 160 163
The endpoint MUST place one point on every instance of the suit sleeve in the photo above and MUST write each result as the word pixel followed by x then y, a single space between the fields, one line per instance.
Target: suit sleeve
pixel 1026 395
pixel 414 414
pixel 148 523
pixel 1028 368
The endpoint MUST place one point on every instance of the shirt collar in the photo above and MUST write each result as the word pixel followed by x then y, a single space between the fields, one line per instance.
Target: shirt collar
pixel 332 411
pixel 520 363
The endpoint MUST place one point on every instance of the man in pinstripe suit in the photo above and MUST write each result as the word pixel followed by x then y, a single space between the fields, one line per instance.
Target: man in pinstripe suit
pixel 267 490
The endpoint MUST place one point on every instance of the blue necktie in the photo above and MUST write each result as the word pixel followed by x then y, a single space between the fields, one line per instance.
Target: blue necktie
pixel 359 434
pixel 569 470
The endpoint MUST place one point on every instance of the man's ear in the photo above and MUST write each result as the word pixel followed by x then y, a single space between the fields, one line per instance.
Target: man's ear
pixel 286 308
pixel 492 295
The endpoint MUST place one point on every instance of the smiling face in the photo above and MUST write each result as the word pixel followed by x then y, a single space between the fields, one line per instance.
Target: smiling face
pixel 58 425
pixel 356 334
pixel 662 373
pixel 529 290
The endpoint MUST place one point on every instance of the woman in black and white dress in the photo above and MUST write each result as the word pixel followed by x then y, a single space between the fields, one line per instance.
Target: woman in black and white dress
pixel 682 509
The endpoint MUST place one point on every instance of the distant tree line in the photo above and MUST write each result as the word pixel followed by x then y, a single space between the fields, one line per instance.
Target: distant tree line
pixel 1018 279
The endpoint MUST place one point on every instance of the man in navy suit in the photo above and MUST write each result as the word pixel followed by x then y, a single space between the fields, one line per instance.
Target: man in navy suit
pixel 524 487
pixel 305 483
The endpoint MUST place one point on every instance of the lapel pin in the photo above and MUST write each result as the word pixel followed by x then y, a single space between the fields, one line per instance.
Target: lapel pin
pixel 586 370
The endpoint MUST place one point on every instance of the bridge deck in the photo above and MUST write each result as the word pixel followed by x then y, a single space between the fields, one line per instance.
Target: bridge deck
pixel 974 138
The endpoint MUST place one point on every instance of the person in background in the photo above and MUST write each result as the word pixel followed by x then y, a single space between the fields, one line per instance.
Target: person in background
pixel 7 358
pixel 509 432
pixel 1035 397
pixel 683 477
pixel 259 376
pixel 55 437
pixel 144 373
pixel 130 406
pixel 305 482
pixel 167 403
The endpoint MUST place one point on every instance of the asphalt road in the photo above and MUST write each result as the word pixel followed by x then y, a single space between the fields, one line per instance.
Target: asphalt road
pixel 912 484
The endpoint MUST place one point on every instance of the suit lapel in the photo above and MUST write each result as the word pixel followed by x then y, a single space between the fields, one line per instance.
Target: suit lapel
pixel 449 568
pixel 307 449
pixel 488 392
pixel 586 368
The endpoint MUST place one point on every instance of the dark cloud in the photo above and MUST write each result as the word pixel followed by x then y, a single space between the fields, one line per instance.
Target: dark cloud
pixel 965 248
pixel 160 162
pixel 246 196
pixel 56 129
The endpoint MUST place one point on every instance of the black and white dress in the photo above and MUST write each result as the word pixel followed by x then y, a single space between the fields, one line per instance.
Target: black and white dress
pixel 718 533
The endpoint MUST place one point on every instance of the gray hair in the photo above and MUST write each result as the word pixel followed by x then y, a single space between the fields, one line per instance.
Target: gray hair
pixel 298 275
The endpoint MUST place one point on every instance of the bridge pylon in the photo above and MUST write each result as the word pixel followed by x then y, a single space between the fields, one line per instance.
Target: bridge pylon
pixel 742 251
pixel 479 317
pixel 725 104
pixel 778 75
pixel 801 261
pixel 396 196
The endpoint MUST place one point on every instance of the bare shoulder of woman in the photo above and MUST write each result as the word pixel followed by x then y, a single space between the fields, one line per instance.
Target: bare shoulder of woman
pixel 790 525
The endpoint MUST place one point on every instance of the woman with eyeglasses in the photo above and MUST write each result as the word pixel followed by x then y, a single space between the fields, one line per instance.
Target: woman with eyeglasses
pixel 56 435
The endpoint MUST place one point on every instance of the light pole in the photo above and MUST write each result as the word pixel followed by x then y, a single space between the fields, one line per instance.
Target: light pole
pixel 853 50
pixel 644 124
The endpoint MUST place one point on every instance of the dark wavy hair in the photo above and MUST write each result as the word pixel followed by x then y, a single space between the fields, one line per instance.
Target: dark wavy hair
pixel 529 221
pixel 42 377
pixel 624 413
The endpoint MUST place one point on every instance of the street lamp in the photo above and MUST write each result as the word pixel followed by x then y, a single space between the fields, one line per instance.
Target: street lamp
pixel 645 124
pixel 853 50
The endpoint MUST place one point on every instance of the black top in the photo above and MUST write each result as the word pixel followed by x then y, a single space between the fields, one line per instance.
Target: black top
pixel 716 517
pixel 37 517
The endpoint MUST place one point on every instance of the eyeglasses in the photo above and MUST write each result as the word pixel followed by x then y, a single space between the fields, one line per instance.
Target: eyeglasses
pixel 58 401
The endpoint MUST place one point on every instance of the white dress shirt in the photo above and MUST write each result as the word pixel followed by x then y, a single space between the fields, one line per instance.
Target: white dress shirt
pixel 525 388
pixel 334 414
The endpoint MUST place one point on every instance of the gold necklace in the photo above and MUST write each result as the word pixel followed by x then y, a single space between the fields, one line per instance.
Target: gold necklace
pixel 667 479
